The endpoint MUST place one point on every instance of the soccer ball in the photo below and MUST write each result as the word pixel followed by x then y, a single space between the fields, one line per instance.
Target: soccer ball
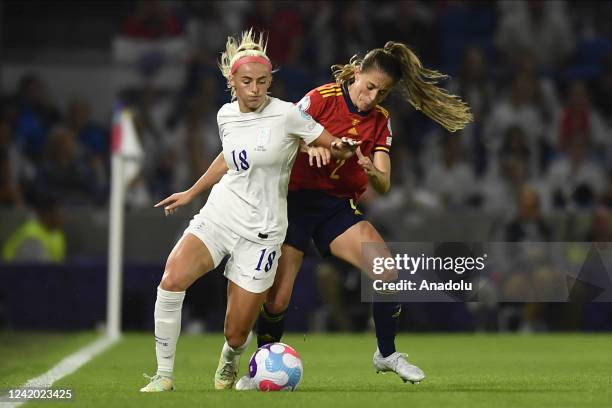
pixel 276 367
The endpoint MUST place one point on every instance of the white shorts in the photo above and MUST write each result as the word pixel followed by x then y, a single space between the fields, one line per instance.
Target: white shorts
pixel 251 265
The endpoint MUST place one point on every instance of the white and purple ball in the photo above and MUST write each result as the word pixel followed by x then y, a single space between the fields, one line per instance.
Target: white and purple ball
pixel 276 367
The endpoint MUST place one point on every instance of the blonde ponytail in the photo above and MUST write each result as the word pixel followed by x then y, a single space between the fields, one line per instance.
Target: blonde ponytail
pixel 419 86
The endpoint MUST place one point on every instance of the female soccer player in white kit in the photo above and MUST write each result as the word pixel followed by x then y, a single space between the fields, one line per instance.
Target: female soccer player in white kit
pixel 245 215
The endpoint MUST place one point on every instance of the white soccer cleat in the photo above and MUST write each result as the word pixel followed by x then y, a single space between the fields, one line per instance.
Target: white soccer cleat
pixel 246 383
pixel 398 363
pixel 157 383
pixel 226 373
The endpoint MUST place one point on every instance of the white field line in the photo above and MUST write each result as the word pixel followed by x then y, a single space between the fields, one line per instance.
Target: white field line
pixel 65 367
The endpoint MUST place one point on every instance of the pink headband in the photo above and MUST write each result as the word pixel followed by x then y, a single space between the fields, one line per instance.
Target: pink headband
pixel 246 60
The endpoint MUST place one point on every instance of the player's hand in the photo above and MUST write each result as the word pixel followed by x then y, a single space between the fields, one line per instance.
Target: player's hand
pixel 345 147
pixel 176 200
pixel 365 163
pixel 320 155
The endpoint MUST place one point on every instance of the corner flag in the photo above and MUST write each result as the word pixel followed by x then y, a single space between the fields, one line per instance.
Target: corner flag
pixel 126 161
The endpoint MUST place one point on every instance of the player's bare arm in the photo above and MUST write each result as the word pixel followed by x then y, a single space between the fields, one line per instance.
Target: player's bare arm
pixel 340 148
pixel 316 154
pixel 215 171
pixel 378 171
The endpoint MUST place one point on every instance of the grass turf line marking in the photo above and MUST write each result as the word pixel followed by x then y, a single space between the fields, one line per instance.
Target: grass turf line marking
pixel 66 367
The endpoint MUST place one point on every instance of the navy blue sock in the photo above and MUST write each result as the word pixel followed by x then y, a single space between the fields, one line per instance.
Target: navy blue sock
pixel 270 327
pixel 386 318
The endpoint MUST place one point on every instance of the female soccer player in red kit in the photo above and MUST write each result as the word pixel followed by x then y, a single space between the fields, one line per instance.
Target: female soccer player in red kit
pixel 322 202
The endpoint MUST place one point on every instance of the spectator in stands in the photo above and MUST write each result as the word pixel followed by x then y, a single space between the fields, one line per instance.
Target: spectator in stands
pixel 160 141
pixel 181 141
pixel 413 20
pixel 10 190
pixel 451 178
pixel 285 28
pixel 209 22
pixel 91 136
pixel 477 88
pixel 601 226
pixel 501 185
pixel 528 272
pixel 579 120
pixel 474 83
pixel 15 169
pixel 66 173
pixel 575 181
pixel 605 200
pixel 35 116
pixel 602 90
pixel 201 133
pixel 352 32
pixel 152 20
pixel 519 109
pixel 284 24
pixel 319 45
pixel 515 147
pixel 93 139
pixel 40 238
pixel 542 26
pixel 528 226
pixel 546 96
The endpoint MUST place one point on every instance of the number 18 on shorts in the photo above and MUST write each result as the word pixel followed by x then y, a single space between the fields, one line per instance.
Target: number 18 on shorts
pixel 252 266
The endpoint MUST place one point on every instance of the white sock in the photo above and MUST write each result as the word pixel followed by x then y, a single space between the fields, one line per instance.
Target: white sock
pixel 229 353
pixel 168 308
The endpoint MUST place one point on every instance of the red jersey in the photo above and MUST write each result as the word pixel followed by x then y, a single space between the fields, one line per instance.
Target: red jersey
pixel 331 106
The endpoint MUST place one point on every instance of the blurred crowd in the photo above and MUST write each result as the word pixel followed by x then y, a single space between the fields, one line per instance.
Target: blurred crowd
pixel 536 74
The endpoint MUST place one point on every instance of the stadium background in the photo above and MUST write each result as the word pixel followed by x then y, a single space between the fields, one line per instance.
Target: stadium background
pixel 534 166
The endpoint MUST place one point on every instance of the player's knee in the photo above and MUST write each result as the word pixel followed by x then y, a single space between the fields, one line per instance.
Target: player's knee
pixel 171 280
pixel 277 303
pixel 171 284
pixel 235 336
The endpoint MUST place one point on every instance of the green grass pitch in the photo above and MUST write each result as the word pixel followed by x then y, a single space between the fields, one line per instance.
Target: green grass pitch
pixel 553 370
pixel 26 355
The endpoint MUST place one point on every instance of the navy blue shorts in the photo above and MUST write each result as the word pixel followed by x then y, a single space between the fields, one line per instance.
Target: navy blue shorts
pixel 320 216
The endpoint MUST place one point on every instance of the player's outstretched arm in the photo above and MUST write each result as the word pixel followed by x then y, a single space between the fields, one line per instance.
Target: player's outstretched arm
pixel 215 171
pixel 342 149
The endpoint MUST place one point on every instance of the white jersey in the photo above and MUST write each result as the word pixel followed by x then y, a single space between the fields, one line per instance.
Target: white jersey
pixel 259 149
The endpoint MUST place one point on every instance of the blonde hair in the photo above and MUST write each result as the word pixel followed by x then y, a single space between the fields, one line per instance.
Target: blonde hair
pixel 250 45
pixel 418 84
